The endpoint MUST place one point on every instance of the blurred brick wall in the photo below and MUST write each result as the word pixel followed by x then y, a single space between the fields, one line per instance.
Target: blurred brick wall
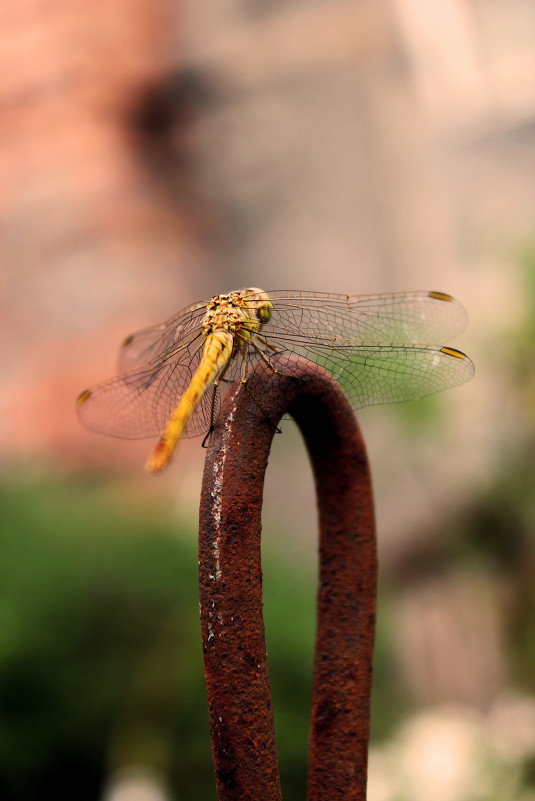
pixel 92 227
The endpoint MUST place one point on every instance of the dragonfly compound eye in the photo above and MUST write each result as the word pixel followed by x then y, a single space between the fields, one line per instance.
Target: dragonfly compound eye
pixel 262 306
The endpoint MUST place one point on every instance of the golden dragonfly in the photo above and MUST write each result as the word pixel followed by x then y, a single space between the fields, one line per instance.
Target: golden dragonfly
pixel 368 343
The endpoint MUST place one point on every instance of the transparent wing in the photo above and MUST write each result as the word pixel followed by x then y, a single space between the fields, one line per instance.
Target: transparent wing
pixel 371 344
pixel 365 342
pixel 383 372
pixel 398 317
pixel 138 404
pixel 156 342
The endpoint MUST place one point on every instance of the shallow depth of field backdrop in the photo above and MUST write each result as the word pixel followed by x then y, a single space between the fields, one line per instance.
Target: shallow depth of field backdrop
pixel 154 153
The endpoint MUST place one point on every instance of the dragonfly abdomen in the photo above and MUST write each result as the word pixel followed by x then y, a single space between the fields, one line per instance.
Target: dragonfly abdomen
pixel 217 352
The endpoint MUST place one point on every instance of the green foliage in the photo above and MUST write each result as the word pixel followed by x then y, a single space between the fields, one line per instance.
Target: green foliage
pixel 100 652
pixel 100 658
pixel 289 616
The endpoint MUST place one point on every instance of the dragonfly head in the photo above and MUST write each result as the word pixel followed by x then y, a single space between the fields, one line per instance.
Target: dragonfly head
pixel 259 303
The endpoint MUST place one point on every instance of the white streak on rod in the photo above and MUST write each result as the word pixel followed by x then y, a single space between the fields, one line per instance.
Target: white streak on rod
pixel 219 469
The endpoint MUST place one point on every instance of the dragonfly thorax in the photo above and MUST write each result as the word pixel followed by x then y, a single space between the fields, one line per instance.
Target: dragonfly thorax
pixel 242 313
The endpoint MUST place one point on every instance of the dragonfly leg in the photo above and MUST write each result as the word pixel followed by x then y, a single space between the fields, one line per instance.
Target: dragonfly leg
pixel 267 343
pixel 266 358
pixel 206 440
pixel 244 379
pixel 220 377
pixel 243 368
pixel 277 429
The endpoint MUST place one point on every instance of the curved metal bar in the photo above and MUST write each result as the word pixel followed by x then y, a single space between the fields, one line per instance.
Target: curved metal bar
pixel 237 679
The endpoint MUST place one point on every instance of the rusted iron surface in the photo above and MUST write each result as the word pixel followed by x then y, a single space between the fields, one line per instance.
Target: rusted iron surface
pixel 241 717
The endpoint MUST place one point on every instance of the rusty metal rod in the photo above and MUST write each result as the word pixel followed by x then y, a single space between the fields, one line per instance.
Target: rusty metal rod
pixel 237 679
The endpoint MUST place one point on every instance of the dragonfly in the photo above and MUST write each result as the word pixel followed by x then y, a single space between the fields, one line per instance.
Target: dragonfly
pixel 173 375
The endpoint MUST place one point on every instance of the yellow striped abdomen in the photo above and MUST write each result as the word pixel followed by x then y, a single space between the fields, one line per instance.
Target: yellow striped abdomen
pixel 216 353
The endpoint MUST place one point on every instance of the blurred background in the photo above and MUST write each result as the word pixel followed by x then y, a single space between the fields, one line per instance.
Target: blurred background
pixel 155 153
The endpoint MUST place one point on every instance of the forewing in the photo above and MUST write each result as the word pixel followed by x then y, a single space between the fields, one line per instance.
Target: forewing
pixel 150 344
pixel 426 317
